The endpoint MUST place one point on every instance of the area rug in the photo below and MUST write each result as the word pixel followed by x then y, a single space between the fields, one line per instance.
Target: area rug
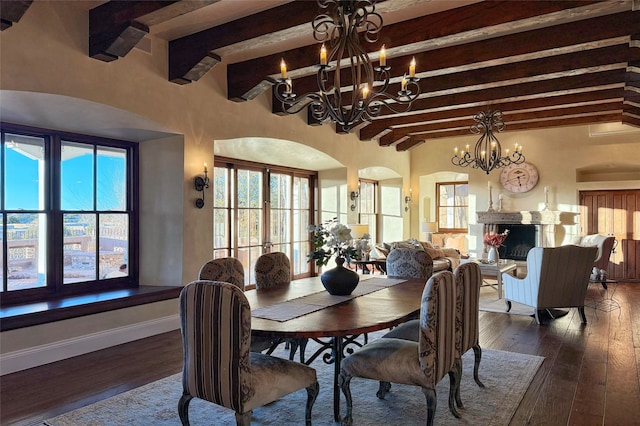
pixel 490 302
pixel 506 375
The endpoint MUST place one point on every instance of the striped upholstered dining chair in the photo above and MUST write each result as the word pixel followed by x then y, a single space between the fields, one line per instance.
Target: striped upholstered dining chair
pixel 274 270
pixel 423 363
pixel 215 321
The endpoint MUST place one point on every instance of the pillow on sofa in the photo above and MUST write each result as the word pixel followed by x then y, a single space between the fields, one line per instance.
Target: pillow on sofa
pixel 435 253
pixel 458 242
pixel 437 240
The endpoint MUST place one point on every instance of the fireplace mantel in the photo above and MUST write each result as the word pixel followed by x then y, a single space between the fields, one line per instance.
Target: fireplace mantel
pixel 544 217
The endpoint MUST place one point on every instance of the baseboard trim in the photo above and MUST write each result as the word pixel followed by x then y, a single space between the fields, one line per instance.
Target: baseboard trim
pixel 51 352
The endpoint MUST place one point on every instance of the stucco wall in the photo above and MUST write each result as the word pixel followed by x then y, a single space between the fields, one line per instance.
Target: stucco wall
pixel 46 53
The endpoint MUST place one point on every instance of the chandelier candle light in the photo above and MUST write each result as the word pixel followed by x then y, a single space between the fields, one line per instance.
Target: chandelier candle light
pixel 342 55
pixel 487 154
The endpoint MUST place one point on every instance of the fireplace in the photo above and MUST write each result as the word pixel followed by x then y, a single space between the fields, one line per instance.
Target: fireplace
pixel 527 229
pixel 520 240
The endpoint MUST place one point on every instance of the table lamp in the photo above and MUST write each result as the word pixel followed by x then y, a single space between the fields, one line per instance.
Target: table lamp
pixel 429 228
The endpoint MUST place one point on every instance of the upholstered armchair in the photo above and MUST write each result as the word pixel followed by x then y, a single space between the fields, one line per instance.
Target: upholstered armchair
pixel 469 279
pixel 215 321
pixel 605 244
pixel 556 278
pixel 423 363
pixel 409 263
pixel 274 270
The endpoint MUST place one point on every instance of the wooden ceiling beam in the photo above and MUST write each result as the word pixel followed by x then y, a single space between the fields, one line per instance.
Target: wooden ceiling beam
pixel 378 126
pixel 246 79
pixel 529 116
pixel 409 143
pixel 116 27
pixel 11 11
pixel 559 122
pixel 186 54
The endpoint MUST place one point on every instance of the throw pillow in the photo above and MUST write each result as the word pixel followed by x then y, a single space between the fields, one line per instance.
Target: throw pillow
pixel 457 242
pixel 434 253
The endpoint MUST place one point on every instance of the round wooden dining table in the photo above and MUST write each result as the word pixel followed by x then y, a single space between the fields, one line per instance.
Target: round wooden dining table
pixel 305 310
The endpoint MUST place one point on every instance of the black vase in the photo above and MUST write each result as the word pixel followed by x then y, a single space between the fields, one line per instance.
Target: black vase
pixel 339 281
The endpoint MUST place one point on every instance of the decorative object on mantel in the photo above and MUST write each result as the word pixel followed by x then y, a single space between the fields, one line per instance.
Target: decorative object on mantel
pixel 338 27
pixel 494 241
pixel 500 202
pixel 329 239
pixel 546 198
pixel 519 177
pixel 487 154
pixel 490 208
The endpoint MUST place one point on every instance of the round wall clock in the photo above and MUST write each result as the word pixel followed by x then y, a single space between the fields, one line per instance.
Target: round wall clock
pixel 519 177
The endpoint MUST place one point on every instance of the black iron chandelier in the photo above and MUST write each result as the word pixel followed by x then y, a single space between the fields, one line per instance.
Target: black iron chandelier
pixel 487 154
pixel 344 63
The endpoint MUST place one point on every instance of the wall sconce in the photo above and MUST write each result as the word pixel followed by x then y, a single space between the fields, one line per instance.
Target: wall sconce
pixel 354 199
pixel 201 184
pixel 407 201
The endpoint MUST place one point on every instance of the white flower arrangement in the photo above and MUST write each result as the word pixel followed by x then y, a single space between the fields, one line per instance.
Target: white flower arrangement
pixel 330 238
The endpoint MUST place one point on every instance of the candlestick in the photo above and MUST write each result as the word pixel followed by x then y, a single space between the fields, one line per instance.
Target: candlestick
pixel 546 198
pixel 403 84
pixel 323 55
pixel 383 57
pixel 412 68
pixel 490 209
pixel 283 69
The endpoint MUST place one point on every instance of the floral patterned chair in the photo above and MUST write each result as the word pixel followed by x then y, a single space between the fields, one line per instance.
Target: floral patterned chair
pixel 227 269
pixel 423 363
pixel 409 263
pixel 274 270
pixel 230 270
pixel 215 321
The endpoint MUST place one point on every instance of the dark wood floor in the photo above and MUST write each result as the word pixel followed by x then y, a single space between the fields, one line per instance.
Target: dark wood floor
pixel 590 375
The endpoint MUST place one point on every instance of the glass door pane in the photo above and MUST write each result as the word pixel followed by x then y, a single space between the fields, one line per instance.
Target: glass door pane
pixel 280 213
pixel 250 213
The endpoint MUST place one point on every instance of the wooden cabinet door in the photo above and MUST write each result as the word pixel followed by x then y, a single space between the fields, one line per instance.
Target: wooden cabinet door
pixel 615 213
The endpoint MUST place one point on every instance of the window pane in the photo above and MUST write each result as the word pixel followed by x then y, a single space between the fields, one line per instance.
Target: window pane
pixel 446 195
pixel 220 187
pixel 79 247
pixel 112 179
pixel 76 176
pixel 24 173
pixel 2 252
pixel 114 245
pixel 220 228
pixel 27 256
pixel 249 189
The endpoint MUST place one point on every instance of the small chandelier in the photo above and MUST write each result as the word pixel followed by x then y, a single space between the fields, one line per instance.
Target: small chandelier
pixel 338 30
pixel 487 155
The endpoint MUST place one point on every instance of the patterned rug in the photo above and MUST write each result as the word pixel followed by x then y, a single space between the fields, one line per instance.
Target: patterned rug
pixel 506 375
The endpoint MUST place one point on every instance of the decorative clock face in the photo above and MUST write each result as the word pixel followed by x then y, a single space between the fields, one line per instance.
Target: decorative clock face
pixel 519 177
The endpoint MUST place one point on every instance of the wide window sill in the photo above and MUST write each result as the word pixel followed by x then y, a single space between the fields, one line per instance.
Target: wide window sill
pixel 30 314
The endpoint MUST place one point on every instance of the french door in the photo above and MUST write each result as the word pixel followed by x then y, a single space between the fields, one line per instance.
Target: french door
pixel 260 209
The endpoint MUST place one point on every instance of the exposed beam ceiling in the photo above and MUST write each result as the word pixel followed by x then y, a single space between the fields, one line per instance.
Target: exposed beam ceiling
pixel 543 63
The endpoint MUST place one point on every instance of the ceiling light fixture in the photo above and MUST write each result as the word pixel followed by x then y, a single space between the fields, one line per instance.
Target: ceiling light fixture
pixel 350 64
pixel 487 154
